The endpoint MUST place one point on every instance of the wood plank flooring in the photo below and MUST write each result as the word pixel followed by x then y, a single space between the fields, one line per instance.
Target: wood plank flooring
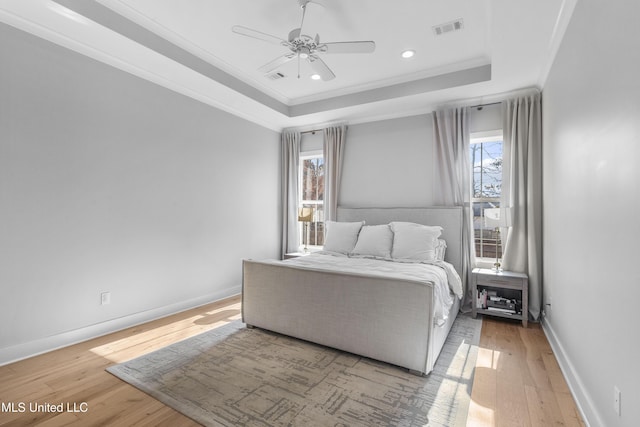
pixel 517 379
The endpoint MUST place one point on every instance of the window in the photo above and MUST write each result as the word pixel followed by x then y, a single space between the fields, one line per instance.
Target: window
pixel 486 164
pixel 311 209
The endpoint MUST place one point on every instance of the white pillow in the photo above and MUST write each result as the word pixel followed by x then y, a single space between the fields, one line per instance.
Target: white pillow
pixel 414 242
pixel 374 241
pixel 341 237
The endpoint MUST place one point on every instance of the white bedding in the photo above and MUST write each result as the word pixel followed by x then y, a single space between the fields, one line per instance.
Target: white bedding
pixel 442 274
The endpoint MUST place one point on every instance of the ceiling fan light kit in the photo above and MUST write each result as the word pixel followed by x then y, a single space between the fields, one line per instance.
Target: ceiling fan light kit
pixel 305 47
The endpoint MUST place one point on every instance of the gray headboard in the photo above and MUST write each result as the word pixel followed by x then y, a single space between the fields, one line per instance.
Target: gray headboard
pixel 449 218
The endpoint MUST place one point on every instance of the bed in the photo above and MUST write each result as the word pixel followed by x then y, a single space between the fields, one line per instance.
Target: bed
pixel 391 316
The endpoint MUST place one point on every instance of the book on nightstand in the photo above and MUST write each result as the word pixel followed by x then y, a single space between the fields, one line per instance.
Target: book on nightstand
pixel 501 310
pixel 488 300
pixel 504 304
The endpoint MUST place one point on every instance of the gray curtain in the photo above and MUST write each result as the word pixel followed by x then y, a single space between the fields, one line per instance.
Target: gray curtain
pixel 334 138
pixel 522 192
pixel 290 140
pixel 452 180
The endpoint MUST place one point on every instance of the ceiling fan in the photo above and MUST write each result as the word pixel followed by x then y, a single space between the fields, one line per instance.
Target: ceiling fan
pixel 304 47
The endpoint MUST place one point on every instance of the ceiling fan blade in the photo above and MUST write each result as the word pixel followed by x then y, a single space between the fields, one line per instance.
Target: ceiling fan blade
pixel 321 68
pixel 348 47
pixel 294 34
pixel 269 67
pixel 244 31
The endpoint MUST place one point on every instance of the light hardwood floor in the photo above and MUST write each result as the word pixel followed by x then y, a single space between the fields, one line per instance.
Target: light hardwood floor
pixel 517 379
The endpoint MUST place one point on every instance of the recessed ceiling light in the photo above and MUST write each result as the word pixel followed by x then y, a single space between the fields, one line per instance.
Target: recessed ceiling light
pixel 408 54
pixel 315 77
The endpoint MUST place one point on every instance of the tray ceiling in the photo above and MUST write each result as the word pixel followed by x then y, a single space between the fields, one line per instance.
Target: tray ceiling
pixel 189 47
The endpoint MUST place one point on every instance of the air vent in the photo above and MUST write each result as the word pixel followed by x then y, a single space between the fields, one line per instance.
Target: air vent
pixel 275 76
pixel 448 27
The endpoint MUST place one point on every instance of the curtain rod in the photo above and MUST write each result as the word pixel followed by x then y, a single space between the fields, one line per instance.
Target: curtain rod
pixel 479 106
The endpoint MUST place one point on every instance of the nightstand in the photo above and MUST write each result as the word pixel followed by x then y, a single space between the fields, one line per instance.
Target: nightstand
pixel 295 254
pixel 505 284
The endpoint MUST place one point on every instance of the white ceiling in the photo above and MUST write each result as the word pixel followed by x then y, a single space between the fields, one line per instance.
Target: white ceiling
pixel 188 46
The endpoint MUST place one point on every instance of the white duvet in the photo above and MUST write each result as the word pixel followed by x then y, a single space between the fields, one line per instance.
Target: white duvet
pixel 442 274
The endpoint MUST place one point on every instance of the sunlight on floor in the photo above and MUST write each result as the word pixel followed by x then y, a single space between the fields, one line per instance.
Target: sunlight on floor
pixel 487 358
pixel 459 364
pixel 486 365
pixel 136 344
pixel 480 416
pixel 458 376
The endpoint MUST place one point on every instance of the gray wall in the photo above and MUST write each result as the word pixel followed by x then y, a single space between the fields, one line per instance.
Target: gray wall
pixel 390 162
pixel 591 122
pixel 111 183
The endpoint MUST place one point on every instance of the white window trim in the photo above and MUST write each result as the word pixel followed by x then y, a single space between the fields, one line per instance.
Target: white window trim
pixel 476 138
pixel 306 155
pixel 309 154
pixel 486 136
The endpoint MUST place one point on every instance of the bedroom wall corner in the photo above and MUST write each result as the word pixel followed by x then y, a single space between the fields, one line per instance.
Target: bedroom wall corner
pixel 591 105
pixel 111 183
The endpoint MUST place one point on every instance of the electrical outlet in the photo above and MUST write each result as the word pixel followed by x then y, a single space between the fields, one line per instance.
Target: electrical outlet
pixel 617 404
pixel 548 305
pixel 105 298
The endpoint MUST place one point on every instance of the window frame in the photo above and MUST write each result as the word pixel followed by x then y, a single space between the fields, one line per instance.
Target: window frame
pixel 307 155
pixel 477 138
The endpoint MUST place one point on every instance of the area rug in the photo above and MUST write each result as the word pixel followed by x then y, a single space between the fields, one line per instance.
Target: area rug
pixel 234 376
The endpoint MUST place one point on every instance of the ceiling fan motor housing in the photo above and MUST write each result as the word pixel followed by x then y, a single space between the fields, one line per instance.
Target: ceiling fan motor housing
pixel 304 52
pixel 305 47
pixel 302 44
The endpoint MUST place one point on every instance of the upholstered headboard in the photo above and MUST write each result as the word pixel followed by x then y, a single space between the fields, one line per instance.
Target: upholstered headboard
pixel 449 218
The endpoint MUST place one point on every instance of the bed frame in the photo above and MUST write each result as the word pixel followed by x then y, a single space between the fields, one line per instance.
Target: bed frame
pixel 383 319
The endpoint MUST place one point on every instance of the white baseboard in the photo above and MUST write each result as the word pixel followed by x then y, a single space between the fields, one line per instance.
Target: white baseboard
pixel 44 345
pixel 585 404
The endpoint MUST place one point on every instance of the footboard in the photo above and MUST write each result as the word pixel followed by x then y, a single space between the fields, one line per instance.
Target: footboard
pixel 384 319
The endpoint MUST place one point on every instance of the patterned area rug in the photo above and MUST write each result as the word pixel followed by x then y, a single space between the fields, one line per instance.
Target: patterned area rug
pixel 234 376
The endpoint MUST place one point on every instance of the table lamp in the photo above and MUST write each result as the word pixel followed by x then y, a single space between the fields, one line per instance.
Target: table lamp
pixel 305 216
pixel 497 218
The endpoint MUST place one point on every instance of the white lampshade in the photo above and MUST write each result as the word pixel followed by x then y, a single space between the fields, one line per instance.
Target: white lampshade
pixel 305 214
pixel 497 217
